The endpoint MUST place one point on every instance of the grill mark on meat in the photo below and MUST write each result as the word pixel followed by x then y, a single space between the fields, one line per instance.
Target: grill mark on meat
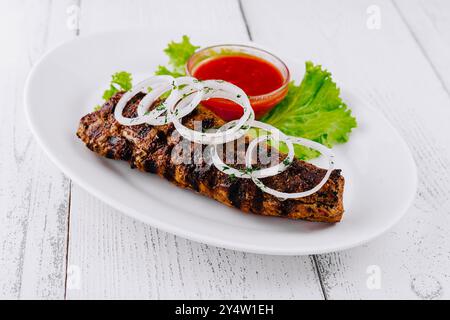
pixel 143 131
pixel 192 177
pixel 132 162
pixel 211 177
pixel 169 171
pixel 208 123
pixel 286 206
pixel 150 166
pixel 126 152
pixel 110 154
pixel 234 194
pixel 162 138
pixel 258 200
pixel 193 114
pixel 149 148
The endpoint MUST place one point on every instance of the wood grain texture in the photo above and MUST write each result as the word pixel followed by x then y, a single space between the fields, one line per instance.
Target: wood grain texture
pixel 429 24
pixel 401 69
pixel 118 257
pixel 113 256
pixel 386 68
pixel 33 193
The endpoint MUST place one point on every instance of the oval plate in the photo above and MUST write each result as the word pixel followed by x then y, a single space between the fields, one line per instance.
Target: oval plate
pixel 68 82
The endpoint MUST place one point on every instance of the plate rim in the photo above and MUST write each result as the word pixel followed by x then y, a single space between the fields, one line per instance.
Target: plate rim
pixel 167 227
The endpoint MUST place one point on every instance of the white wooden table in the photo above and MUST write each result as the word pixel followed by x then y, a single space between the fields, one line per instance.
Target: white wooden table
pixel 57 241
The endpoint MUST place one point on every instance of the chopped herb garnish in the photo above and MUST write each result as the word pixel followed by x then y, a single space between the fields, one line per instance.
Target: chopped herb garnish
pixel 160 107
pixel 286 162
pixel 207 90
pixel 247 170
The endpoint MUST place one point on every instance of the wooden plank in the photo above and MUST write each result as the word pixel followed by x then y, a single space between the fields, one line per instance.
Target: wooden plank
pixel 113 256
pixel 386 68
pixel 33 193
pixel 429 24
pixel 118 257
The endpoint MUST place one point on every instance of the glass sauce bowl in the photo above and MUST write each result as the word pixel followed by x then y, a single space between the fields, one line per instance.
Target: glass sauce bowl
pixel 261 103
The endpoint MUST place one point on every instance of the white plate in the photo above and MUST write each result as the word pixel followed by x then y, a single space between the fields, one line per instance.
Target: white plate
pixel 67 83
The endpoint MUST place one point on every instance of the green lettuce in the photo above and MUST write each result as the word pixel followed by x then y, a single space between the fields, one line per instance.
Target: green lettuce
pixel 120 81
pixel 178 53
pixel 313 110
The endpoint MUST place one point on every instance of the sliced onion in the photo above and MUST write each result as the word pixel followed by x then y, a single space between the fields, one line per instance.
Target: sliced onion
pixel 311 144
pixel 276 135
pixel 146 102
pixel 153 82
pixel 222 166
pixel 218 89
pixel 190 95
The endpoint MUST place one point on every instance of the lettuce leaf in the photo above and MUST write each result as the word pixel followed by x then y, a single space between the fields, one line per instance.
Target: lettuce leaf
pixel 178 53
pixel 313 110
pixel 120 81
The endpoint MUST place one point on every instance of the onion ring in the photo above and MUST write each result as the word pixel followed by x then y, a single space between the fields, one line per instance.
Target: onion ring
pixel 274 170
pixel 249 172
pixel 192 93
pixel 307 143
pixel 217 89
pixel 151 117
pixel 222 166
pixel 153 82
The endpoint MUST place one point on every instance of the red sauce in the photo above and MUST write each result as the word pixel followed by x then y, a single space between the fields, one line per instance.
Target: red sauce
pixel 253 75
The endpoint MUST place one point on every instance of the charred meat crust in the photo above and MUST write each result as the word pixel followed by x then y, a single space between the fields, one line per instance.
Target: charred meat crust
pixel 150 149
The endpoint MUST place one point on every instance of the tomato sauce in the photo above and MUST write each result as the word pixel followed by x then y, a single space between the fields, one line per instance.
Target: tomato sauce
pixel 257 77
